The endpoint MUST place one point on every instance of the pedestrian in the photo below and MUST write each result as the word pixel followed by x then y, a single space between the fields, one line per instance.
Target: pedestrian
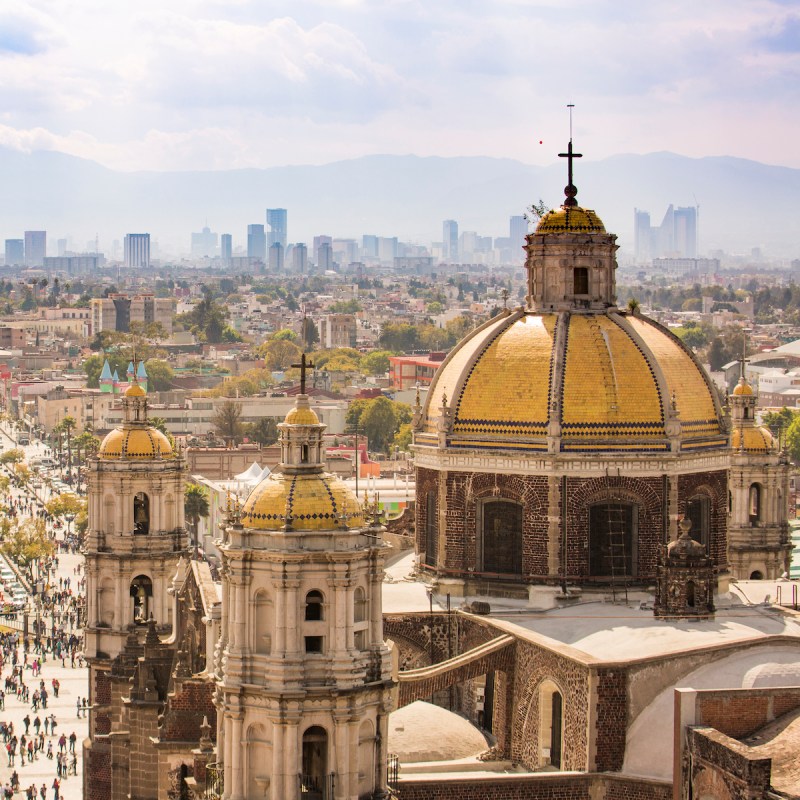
pixel 43 791
pixel 46 725
pixel 85 707
pixel 78 707
pixel 73 764
pixel 50 751
pixel 62 743
pixel 56 787
pixel 52 724
pixel 73 738
pixel 27 720
pixel 37 723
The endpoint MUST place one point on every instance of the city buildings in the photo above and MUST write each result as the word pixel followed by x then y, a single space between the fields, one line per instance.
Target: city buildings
pixel 277 223
pixel 300 258
pixel 15 252
pixel 35 248
pixel 675 237
pixel 256 243
pixel 450 240
pixel 204 243
pixel 117 311
pixel 137 250
pixel 226 248
pixel 337 330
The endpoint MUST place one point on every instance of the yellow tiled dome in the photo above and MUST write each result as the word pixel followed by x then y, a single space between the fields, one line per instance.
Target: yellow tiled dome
pixel 135 390
pixel 598 382
pixel 136 443
pixel 756 440
pixel 314 502
pixel 743 388
pixel 302 416
pixel 570 219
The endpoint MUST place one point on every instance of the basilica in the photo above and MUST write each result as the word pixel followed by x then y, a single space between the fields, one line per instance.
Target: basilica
pixel 586 500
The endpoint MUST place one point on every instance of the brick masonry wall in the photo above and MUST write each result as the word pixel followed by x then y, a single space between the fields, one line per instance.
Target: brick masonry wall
pixel 612 719
pixel 713 485
pixel 97 771
pixel 191 700
pixel 427 481
pixel 740 712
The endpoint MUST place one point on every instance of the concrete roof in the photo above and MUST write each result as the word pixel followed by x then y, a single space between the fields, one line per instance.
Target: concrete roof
pixel 780 741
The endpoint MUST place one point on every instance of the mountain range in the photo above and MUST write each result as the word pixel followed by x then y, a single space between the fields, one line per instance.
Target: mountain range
pixel 743 204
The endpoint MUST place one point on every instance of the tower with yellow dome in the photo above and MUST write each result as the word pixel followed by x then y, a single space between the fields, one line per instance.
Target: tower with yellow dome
pixel 562 441
pixel 135 537
pixel 304 676
pixel 758 532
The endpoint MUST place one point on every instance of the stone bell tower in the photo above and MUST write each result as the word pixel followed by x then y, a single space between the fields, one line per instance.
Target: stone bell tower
pixel 758 521
pixel 304 675
pixel 134 539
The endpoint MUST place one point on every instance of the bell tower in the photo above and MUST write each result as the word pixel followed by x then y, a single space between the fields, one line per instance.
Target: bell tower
pixel 134 539
pixel 304 676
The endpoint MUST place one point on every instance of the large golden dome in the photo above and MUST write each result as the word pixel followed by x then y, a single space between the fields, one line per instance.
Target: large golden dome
pixel 595 382
pixel 756 440
pixel 139 443
pixel 307 502
pixel 569 219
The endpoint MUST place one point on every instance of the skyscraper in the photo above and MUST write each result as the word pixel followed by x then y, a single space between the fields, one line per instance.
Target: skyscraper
pixel 204 243
pixel 277 222
pixel 256 242
pixel 300 258
pixel 685 222
pixel 276 257
pixel 226 247
pixel 642 236
pixel 15 252
pixel 137 250
pixel 675 237
pixel 450 239
pixel 35 248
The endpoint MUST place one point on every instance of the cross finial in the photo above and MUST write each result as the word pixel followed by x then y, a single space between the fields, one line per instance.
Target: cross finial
pixel 743 360
pixel 303 366
pixel 570 190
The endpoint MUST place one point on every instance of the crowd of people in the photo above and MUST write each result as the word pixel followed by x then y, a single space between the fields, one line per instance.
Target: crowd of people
pixel 53 636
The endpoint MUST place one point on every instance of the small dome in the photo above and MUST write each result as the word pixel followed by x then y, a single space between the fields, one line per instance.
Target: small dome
pixel 302 416
pixel 314 502
pixel 135 390
pixel 136 443
pixel 743 388
pixel 756 440
pixel 570 219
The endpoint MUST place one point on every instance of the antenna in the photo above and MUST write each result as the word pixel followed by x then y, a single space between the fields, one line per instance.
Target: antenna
pixel 570 106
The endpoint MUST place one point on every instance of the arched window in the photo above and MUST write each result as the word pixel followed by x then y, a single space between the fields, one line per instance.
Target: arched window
pixel 754 504
pixel 314 778
pixel 580 280
pixel 551 725
pixel 141 513
pixel 314 606
pixel 141 592
pixel 431 530
pixel 698 512
pixel 304 454
pixel 690 594
pixel 359 605
pixel 501 536
pixel 613 539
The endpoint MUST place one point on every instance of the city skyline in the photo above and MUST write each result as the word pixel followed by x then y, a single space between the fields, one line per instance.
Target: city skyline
pixel 331 79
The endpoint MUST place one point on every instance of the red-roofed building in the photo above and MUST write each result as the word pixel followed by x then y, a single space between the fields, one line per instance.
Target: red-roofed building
pixel 407 371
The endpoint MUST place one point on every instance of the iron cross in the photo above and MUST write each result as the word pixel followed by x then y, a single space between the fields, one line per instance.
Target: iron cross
pixel 569 155
pixel 303 366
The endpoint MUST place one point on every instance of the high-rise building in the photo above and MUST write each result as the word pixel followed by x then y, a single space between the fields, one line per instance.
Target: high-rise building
pixel 137 250
pixel 319 241
pixel 15 252
pixel 642 236
pixel 450 237
pixel 276 257
pixel 35 248
pixel 675 237
pixel 325 256
pixel 256 242
pixel 387 249
pixel 685 238
pixel 204 243
pixel 61 246
pixel 226 247
pixel 117 311
pixel 369 246
pixel 518 230
pixel 300 258
pixel 277 222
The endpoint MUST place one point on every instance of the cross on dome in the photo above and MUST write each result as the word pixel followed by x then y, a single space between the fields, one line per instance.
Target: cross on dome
pixel 570 190
pixel 303 366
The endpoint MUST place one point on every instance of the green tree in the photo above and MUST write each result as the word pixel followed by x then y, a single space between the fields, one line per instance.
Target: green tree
pixel 402 439
pixel 13 456
pixel 85 443
pixel 263 431
pixel 399 337
pixel 279 354
pixel 793 439
pixel 376 362
pixel 159 375
pixel 195 507
pixel 227 422
pixel 26 541
pixel 284 334
pixel 65 503
pixel 779 421
pixel 65 428
pixel 345 307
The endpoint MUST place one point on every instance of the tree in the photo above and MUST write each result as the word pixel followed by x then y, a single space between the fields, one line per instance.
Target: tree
pixel 13 456
pixel 65 428
pixel 345 307
pixel 793 439
pixel 26 541
pixel 376 362
pixel 279 354
pixel 402 439
pixel 159 375
pixel 310 333
pixel 263 431
pixel 284 334
pixel 87 443
pixel 227 422
pixel 379 423
pixel 195 507
pixel 65 503
pixel 779 421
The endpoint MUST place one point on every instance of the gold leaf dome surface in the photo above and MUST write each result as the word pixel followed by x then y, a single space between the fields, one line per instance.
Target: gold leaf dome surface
pixel 302 416
pixel 135 390
pixel 756 440
pixel 568 219
pixel 139 443
pixel 312 502
pixel 742 388
pixel 607 381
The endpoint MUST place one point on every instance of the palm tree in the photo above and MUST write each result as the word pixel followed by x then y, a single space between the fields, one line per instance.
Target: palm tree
pixel 195 506
pixel 66 426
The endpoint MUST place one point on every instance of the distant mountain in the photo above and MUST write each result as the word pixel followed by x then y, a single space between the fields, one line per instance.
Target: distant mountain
pixel 743 204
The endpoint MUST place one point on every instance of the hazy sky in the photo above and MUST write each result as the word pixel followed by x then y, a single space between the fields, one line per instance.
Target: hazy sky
pixel 195 84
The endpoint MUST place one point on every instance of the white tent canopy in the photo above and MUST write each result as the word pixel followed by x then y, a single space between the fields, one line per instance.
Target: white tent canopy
pixel 250 475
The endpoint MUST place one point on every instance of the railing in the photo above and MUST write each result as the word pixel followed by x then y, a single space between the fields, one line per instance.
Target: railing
pixel 316 787
pixel 778 594
pixel 215 781
pixel 393 774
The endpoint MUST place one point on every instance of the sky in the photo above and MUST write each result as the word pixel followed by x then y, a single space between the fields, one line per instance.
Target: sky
pixel 219 84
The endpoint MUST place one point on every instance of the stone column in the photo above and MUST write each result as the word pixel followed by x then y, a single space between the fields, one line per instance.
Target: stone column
pixel 278 789
pixel 237 788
